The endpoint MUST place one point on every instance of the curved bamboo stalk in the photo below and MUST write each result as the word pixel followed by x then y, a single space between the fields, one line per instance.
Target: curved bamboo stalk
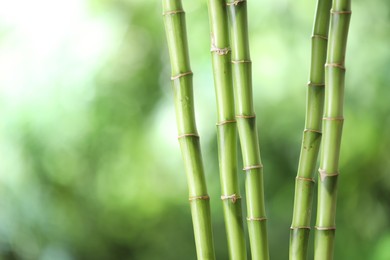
pixel 300 227
pixel 226 129
pixel 332 130
pixel 175 28
pixel 246 123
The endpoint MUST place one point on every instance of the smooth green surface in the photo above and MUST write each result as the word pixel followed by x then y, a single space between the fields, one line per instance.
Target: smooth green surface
pixel 300 227
pixel 226 128
pixel 242 79
pixel 332 130
pixel 175 28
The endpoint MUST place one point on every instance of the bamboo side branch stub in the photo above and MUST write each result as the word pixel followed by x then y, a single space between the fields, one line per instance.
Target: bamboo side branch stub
pixel 304 182
pixel 175 28
pixel 332 130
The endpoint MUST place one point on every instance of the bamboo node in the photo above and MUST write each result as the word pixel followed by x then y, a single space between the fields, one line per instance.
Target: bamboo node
pixel 188 135
pixel 300 227
pixel 236 2
pixel 220 51
pixel 312 131
pixel 325 228
pixel 324 174
pixel 305 179
pixel 226 122
pixel 335 65
pixel 338 118
pixel 245 116
pixel 203 197
pixel 173 12
pixel 234 197
pixel 251 167
pixel 241 61
pixel 256 219
pixel 319 36
pixel 312 84
pixel 340 12
pixel 181 75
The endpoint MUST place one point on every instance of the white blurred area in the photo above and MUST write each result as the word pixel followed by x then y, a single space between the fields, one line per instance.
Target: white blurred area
pixel 49 53
pixel 44 41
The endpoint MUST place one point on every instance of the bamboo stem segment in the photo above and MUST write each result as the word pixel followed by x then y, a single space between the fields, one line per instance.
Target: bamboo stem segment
pixel 246 123
pixel 300 227
pixel 226 129
pixel 332 130
pixel 175 27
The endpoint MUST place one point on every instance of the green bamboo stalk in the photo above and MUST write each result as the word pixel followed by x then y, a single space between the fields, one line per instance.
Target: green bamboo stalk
pixel 226 129
pixel 332 130
pixel 175 27
pixel 246 123
pixel 300 227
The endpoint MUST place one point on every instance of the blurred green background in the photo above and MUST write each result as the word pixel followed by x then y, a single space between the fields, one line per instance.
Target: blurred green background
pixel 90 166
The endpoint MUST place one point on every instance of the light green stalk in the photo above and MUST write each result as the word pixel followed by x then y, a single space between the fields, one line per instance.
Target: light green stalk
pixel 175 28
pixel 300 227
pixel 246 123
pixel 332 129
pixel 226 129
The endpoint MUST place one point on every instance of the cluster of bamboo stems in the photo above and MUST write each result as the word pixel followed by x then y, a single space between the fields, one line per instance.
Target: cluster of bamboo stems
pixel 235 110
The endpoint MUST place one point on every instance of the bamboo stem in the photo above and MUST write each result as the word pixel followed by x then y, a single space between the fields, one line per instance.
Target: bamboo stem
pixel 226 129
pixel 175 27
pixel 242 83
pixel 332 130
pixel 300 227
